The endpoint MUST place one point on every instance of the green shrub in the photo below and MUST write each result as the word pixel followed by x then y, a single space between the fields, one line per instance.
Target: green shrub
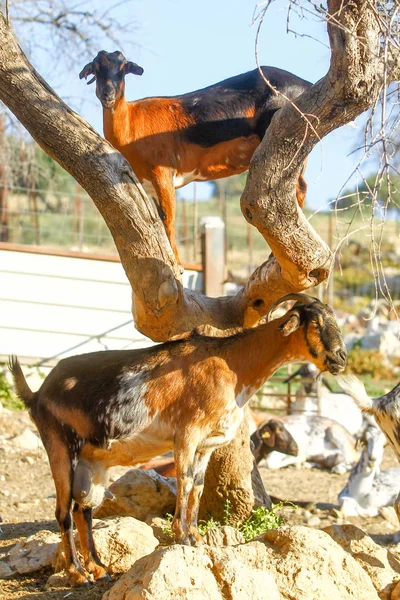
pixel 261 520
pixel 7 397
pixel 368 362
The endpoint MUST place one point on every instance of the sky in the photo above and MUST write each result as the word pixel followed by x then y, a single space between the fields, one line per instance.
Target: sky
pixel 184 45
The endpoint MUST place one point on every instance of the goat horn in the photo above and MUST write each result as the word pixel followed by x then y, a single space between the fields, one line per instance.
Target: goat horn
pixel 302 298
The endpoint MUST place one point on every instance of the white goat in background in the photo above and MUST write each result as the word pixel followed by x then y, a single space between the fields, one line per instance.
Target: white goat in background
pixel 321 441
pixel 385 409
pixel 368 488
pixel 333 405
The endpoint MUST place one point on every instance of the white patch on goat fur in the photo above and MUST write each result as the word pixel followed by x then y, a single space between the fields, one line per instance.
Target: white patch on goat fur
pixel 183 178
pixel 130 400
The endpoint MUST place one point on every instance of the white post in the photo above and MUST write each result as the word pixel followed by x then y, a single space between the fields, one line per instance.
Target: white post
pixel 213 255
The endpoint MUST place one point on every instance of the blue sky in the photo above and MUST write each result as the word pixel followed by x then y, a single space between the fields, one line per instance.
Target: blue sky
pixel 184 45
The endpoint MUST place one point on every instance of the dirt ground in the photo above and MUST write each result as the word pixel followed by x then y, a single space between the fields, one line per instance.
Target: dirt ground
pixel 27 504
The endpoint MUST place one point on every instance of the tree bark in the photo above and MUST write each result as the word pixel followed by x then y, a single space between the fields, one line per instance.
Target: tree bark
pixel 161 308
pixel 233 485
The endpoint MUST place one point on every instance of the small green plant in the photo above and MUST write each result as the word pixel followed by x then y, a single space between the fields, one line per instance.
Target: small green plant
pixel 262 519
pixel 227 512
pixel 7 397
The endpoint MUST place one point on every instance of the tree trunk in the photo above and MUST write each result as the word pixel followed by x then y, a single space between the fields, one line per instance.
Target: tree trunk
pixel 233 485
pixel 161 308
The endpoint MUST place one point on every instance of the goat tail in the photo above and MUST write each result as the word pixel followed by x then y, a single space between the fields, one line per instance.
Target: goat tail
pixel 22 388
pixel 356 389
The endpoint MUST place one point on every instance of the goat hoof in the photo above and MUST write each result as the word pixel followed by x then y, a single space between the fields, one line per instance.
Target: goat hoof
pixel 184 541
pixel 104 578
pixel 196 539
pixel 80 581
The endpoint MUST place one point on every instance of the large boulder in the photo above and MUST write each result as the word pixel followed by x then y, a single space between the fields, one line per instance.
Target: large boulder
pixel 223 536
pixel 181 572
pixel 27 441
pixel 290 563
pixel 33 553
pixel 309 565
pixel 382 566
pixel 119 542
pixel 139 494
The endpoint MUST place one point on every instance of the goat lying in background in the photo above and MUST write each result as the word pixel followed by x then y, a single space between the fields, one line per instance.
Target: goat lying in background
pixel 385 409
pixel 368 488
pixel 320 441
pixel 333 405
pixel 203 135
pixel 271 435
pixel 124 407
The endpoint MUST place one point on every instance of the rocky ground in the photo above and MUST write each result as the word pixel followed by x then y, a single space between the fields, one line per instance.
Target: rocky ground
pixel 27 503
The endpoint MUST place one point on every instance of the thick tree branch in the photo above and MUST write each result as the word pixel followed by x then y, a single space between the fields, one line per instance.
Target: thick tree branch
pixel 162 309
pixel 351 85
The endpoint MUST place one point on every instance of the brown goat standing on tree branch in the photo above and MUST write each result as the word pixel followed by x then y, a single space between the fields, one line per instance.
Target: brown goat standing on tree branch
pixel 124 407
pixel 203 135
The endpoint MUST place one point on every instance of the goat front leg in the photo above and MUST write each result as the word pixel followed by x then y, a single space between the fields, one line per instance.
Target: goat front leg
pixel 163 185
pixel 200 467
pixel 83 522
pixel 184 462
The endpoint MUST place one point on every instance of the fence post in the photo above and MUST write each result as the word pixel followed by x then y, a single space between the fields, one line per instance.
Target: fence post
pixel 213 255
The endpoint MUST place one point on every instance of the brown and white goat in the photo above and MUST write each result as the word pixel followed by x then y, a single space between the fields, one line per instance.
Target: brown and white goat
pixel 124 407
pixel 203 135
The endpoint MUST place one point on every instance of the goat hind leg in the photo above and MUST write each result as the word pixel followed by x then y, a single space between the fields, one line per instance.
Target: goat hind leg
pixel 200 467
pixel 60 464
pixel 83 521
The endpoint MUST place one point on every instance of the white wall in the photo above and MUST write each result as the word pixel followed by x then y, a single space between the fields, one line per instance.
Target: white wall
pixel 57 306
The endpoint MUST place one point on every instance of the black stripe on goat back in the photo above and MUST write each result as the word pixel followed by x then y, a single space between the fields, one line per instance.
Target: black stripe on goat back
pixel 239 106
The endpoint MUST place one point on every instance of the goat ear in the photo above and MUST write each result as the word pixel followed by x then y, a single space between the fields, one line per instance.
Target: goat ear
pixel 86 71
pixel 268 436
pixel 131 67
pixel 290 325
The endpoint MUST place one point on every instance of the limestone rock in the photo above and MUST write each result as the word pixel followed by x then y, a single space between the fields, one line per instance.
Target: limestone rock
pixel 34 553
pixel 290 563
pixel 27 440
pixel 140 494
pixel 57 580
pixel 162 531
pixel 309 565
pixel 386 342
pixel 181 572
pixel 120 542
pixel 382 566
pixel 5 570
pixel 223 536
